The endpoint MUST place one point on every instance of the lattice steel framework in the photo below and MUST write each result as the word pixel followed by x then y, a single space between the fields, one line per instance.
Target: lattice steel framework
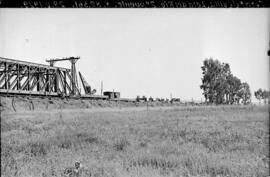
pixel 21 77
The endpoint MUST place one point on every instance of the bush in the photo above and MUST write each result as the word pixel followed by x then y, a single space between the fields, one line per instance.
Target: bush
pixel 38 148
pixel 121 144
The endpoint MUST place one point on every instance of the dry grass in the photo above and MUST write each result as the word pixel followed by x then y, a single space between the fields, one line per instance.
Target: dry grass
pixel 181 141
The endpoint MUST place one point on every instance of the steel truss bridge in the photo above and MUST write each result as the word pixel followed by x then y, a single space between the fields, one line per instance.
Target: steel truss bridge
pixel 27 78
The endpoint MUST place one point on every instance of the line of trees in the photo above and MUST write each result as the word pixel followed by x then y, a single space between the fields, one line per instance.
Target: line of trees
pixel 262 95
pixel 220 86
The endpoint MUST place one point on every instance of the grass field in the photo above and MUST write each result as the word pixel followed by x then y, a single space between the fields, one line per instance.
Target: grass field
pixel 132 142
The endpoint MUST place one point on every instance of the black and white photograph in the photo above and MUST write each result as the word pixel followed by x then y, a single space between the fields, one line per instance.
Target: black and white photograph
pixel 135 92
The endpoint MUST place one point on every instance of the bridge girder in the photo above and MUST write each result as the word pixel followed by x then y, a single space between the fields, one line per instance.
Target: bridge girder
pixel 21 77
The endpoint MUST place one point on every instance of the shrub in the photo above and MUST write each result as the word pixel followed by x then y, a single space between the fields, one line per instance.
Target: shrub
pixel 86 138
pixel 121 144
pixel 38 148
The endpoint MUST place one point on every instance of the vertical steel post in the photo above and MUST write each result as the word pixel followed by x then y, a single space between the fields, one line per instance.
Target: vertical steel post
pixel 38 80
pixel 28 77
pixel 18 76
pixel 65 82
pixel 47 80
pixel 56 80
pixel 6 75
pixel 73 76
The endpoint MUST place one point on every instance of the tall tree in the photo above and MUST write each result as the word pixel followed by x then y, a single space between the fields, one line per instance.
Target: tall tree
pixel 258 94
pixel 214 80
pixel 262 95
pixel 234 85
pixel 265 96
pixel 244 93
pixel 222 83
pixel 220 86
pixel 208 79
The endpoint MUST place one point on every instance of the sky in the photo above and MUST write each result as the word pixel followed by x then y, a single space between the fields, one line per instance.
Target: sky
pixel 151 52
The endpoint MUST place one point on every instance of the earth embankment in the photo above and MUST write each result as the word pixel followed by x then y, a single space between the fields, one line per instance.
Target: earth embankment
pixel 19 104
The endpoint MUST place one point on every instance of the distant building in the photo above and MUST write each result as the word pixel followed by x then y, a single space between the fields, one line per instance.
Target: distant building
pixel 112 95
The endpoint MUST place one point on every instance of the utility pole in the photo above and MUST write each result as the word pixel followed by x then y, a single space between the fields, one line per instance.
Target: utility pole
pixel 101 90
